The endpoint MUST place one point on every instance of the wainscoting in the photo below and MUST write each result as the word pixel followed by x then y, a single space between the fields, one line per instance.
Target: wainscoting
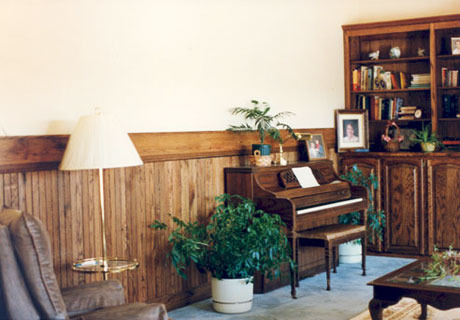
pixel 182 174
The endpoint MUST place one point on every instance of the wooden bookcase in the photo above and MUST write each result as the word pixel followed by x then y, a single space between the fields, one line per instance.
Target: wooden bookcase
pixel 433 34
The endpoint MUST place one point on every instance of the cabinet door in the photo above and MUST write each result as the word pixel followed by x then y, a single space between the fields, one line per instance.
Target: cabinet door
pixel 367 166
pixel 404 205
pixel 443 203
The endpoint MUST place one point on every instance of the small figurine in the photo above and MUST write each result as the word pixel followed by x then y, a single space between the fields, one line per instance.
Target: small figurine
pixel 421 52
pixel 374 55
pixel 395 52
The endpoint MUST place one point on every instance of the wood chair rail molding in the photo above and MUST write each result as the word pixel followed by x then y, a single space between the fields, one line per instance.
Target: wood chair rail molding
pixel 32 153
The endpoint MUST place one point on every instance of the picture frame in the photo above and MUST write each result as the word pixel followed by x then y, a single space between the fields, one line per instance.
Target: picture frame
pixel 316 147
pixel 455 45
pixel 352 130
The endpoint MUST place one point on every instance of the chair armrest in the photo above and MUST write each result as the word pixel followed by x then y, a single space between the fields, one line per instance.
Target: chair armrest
pixel 92 296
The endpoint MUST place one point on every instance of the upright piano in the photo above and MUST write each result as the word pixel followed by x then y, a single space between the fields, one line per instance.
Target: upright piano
pixel 275 189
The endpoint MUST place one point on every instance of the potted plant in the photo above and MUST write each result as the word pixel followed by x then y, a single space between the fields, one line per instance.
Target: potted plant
pixel 265 124
pixel 350 252
pixel 427 138
pixel 238 241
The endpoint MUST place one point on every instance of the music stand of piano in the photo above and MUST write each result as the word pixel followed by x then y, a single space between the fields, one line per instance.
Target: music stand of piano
pixel 304 209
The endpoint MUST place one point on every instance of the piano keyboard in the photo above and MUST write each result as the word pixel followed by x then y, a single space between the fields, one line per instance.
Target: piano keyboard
pixel 329 205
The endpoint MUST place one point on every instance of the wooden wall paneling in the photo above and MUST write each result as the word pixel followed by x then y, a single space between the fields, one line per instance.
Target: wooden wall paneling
pixel 150 238
pixel 173 180
pixel 52 211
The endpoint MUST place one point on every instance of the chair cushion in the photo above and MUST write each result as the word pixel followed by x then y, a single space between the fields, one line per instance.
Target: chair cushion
pixel 132 311
pixel 88 297
pixel 16 303
pixel 33 250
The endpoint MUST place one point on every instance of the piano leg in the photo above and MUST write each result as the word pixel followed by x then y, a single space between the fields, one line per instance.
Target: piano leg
pixel 297 284
pixel 364 248
pixel 294 272
pixel 328 250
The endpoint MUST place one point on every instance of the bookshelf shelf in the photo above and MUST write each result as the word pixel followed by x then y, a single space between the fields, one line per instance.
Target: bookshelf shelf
pixel 390 91
pixel 448 57
pixel 399 121
pixel 391 61
pixel 439 104
pixel 448 88
pixel 449 119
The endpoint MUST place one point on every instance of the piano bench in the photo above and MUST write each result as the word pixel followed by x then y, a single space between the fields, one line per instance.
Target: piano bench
pixel 329 237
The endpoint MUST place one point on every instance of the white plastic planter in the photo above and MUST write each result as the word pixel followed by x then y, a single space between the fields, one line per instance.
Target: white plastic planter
pixel 350 252
pixel 232 295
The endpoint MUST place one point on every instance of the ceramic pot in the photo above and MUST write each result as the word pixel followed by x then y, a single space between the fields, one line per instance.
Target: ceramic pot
pixel 231 295
pixel 428 146
pixel 350 252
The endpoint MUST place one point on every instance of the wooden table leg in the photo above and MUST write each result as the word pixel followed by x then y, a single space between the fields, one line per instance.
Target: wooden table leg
pixel 424 311
pixel 376 309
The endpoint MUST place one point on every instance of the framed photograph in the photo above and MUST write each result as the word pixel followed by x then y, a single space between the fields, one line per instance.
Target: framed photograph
pixel 352 130
pixel 316 147
pixel 455 45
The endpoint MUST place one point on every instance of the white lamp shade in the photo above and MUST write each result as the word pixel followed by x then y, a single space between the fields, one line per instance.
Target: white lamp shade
pixel 98 143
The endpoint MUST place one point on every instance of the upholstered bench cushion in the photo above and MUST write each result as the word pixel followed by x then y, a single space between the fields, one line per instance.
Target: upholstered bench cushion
pixel 332 232
pixel 16 301
pixel 132 311
pixel 33 250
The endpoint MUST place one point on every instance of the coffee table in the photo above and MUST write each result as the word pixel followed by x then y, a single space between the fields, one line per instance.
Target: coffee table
pixel 442 294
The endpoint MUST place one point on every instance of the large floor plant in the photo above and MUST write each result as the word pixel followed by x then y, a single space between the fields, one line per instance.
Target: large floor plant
pixel 238 241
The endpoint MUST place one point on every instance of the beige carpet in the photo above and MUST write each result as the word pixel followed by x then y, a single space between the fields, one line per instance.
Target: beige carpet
pixel 409 309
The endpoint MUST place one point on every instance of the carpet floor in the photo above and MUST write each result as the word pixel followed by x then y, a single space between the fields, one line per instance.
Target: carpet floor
pixel 349 296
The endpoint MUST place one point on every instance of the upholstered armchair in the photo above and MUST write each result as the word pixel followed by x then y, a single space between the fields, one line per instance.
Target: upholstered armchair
pixel 28 286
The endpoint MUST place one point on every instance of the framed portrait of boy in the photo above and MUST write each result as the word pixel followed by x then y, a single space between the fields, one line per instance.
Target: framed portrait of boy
pixel 455 43
pixel 316 147
pixel 352 130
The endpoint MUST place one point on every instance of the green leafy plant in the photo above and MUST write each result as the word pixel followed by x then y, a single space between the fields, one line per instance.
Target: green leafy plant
pixel 425 135
pixel 375 218
pixel 442 264
pixel 238 241
pixel 262 122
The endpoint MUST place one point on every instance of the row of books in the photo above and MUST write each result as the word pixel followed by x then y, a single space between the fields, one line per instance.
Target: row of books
pixel 450 105
pixel 375 78
pixel 449 78
pixel 421 80
pixel 385 108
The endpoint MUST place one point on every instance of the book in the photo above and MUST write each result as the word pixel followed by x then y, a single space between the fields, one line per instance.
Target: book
pixel 454 78
pixel 402 80
pixel 394 82
pixel 363 82
pixel 355 82
pixel 369 85
pixel 399 103
pixel 388 80
pixel 377 81
pixel 443 77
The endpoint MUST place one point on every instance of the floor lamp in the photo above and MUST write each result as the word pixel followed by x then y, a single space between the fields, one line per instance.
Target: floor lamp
pixel 98 143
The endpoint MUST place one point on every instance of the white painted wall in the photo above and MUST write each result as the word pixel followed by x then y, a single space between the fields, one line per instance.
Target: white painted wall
pixel 178 65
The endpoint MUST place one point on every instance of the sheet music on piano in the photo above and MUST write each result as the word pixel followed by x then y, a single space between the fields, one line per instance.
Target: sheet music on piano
pixel 305 177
